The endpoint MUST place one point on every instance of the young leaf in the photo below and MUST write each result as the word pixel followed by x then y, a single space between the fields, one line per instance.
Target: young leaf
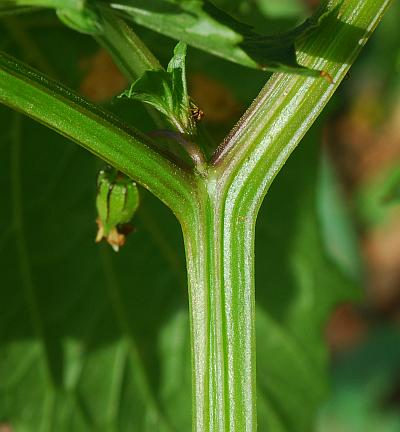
pixel 167 92
pixel 203 25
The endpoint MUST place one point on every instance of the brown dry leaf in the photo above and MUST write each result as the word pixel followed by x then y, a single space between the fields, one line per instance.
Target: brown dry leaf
pixel 215 100
pixel 102 79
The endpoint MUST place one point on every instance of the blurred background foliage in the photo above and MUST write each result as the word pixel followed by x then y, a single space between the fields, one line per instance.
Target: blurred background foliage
pixel 91 340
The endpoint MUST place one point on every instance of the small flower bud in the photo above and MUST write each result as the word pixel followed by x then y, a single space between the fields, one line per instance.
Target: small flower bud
pixel 117 201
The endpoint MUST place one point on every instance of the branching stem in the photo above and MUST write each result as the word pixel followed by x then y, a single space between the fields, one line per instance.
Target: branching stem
pixel 217 209
pixel 131 152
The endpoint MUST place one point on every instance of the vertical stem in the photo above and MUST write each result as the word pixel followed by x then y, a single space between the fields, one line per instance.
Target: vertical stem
pixel 219 248
pixel 128 51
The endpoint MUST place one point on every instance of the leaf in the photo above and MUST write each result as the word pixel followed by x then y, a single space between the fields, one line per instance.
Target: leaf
pixel 83 332
pixel 379 197
pixel 85 21
pixel 201 24
pixel 14 10
pixel 86 338
pixel 167 92
pixel 198 23
pixel 338 231
pixel 365 386
pixel 22 6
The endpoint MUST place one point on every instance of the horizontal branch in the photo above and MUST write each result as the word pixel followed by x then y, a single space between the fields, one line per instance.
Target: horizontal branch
pixel 26 90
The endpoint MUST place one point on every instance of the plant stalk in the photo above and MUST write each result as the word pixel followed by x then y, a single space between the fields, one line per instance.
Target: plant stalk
pixel 129 53
pixel 219 244
pixel 219 239
pixel 125 148
pixel 127 50
pixel 217 210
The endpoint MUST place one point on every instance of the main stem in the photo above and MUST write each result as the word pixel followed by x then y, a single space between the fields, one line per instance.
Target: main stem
pixel 219 248
pixel 219 231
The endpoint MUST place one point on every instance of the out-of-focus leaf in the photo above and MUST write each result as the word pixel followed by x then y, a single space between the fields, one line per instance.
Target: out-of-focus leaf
pixel 83 331
pixel 378 198
pixel 267 16
pixel 55 4
pixel 203 25
pixel 89 340
pixel 281 8
pixel 198 23
pixel 84 21
pixel 379 62
pixel 297 287
pixel 336 227
pixel 167 92
pixel 14 10
pixel 365 387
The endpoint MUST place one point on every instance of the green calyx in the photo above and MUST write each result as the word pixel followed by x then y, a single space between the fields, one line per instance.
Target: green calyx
pixel 117 201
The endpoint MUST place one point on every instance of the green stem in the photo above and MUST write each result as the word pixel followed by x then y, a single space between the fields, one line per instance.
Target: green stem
pixel 27 91
pixel 289 104
pixel 220 238
pixel 130 54
pixel 218 210
pixel 54 4
pixel 219 250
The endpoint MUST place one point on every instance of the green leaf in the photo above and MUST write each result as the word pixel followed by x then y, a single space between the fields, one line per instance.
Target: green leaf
pixel 282 9
pixel 365 386
pixel 56 4
pixel 379 197
pixel 85 21
pixel 203 25
pixel 14 10
pixel 338 230
pixel 89 341
pixel 167 92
